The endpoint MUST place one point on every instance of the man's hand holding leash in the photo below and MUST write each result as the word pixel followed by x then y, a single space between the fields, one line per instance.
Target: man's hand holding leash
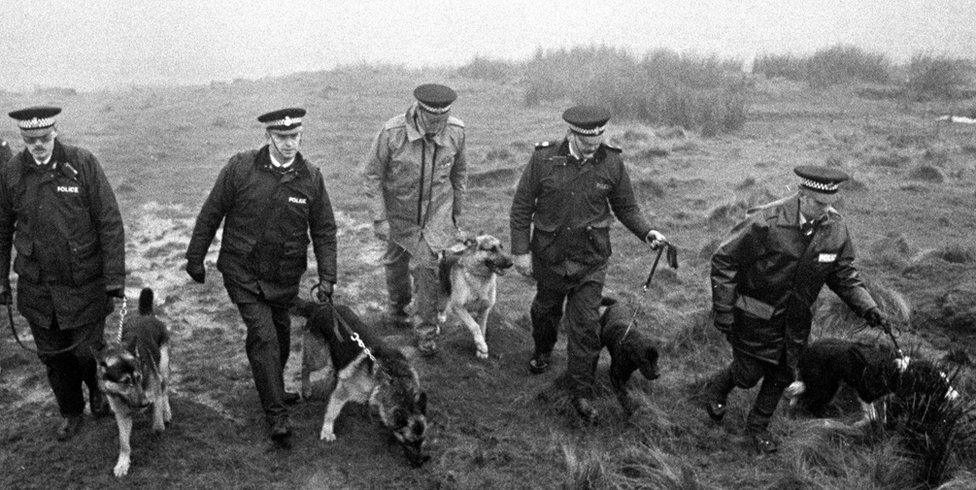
pixel 523 264
pixel 876 319
pixel 655 239
pixel 324 290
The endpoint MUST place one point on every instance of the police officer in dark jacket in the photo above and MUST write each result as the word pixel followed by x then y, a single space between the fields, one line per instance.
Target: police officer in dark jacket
pixel 766 276
pixel 560 227
pixel 59 211
pixel 270 200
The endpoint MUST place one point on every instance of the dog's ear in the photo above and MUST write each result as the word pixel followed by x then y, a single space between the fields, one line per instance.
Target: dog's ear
pixel 422 402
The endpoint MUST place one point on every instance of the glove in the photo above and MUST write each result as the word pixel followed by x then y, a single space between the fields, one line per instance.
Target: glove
pixel 6 298
pixel 381 229
pixel 196 271
pixel 655 239
pixel 875 318
pixel 324 291
pixel 115 292
pixel 523 264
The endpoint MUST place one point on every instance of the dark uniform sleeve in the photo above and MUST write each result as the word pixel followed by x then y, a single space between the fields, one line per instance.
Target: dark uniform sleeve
pixel 322 227
pixel 214 209
pixel 8 221
pixel 459 182
pixel 5 153
pixel 523 206
pixel 108 221
pixel 625 207
pixel 736 253
pixel 845 281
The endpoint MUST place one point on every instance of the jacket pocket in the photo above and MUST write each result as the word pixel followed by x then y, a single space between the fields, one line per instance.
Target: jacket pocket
pixel 86 263
pixel 293 263
pixel 543 246
pixel 25 264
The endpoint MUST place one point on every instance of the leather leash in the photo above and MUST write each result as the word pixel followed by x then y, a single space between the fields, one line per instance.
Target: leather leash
pixel 672 262
pixel 39 352
pixel 338 321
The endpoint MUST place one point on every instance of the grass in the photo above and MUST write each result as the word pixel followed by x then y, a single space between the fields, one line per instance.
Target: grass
pixel 488 427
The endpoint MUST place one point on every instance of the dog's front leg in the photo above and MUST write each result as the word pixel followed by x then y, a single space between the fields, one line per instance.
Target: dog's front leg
pixel 124 420
pixel 337 400
pixel 868 414
pixel 475 328
pixel 306 376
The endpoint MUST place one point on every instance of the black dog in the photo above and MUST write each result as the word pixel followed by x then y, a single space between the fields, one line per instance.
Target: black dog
pixel 873 371
pixel 630 349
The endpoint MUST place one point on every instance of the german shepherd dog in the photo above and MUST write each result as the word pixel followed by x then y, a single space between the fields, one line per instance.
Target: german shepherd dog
pixel 372 372
pixel 872 370
pixel 134 375
pixel 630 349
pixel 468 277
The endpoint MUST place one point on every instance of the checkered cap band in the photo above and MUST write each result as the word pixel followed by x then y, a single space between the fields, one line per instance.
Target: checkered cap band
pixel 36 123
pixel 587 131
pixel 432 109
pixel 825 187
pixel 285 122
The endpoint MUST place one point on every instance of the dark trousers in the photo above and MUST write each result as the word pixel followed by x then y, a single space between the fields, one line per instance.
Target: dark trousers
pixel 582 303
pixel 268 344
pixel 66 372
pixel 745 372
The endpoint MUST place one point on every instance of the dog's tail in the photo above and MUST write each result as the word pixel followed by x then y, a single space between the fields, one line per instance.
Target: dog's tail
pixel 146 302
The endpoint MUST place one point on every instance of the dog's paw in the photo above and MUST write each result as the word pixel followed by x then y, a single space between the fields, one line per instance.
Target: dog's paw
pixel 121 467
pixel 482 353
pixel 327 435
pixel 794 390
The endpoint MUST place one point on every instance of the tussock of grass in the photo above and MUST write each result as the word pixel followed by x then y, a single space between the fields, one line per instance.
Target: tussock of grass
pixel 735 210
pixel 892 251
pixel 837 316
pixel 889 160
pixel 958 254
pixel 586 467
pixel 927 173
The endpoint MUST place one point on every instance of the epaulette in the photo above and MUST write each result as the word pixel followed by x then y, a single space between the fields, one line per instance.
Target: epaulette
pixel 395 122
pixel 455 121
pixel 69 171
pixel 544 144
pixel 612 148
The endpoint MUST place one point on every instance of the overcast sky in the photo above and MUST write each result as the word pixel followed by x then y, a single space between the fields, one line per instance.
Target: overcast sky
pixel 102 43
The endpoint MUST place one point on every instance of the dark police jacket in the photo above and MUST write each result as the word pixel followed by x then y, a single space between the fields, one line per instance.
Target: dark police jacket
pixel 65 224
pixel 268 218
pixel 766 275
pixel 568 204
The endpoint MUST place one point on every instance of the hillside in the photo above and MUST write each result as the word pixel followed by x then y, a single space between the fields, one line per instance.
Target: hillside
pixel 910 210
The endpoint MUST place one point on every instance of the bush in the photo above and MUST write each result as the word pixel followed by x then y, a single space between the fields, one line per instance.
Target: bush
pixel 662 87
pixel 937 76
pixel 829 66
pixel 483 68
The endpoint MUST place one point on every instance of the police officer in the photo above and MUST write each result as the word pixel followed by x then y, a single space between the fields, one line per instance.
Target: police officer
pixel 415 183
pixel 765 277
pixel 59 211
pixel 569 193
pixel 271 200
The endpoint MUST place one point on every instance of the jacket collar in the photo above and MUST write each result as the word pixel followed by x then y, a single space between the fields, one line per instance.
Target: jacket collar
pixel 263 161
pixel 565 150
pixel 58 161
pixel 788 213
pixel 413 131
